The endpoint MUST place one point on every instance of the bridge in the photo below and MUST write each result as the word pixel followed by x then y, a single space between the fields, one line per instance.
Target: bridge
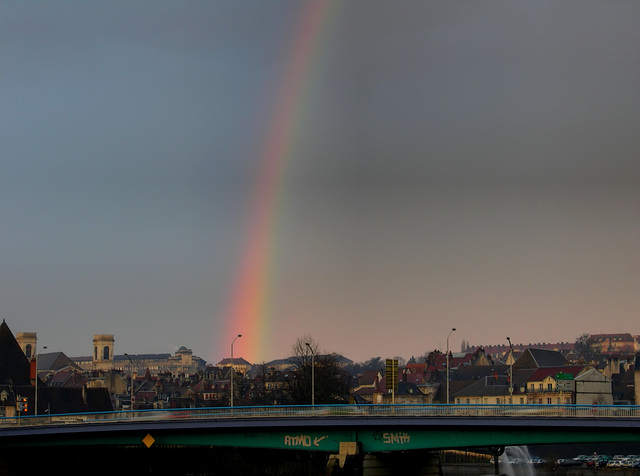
pixel 327 428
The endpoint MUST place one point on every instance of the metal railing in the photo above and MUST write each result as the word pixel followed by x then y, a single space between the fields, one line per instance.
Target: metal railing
pixel 335 411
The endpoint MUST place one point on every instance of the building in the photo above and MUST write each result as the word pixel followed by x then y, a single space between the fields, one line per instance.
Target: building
pixel 27 342
pixel 553 385
pixel 239 364
pixel 104 359
pixel 614 344
pixel 493 389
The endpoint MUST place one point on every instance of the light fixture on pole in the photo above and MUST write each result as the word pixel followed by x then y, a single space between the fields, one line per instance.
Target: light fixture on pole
pixel 450 332
pixel 35 355
pixel 510 372
pixel 313 376
pixel 238 336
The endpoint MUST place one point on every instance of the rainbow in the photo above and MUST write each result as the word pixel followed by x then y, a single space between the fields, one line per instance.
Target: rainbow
pixel 248 308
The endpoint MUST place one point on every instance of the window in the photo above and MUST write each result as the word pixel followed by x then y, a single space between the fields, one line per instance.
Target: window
pixel 521 400
pixel 550 387
pixel 548 401
pixel 105 352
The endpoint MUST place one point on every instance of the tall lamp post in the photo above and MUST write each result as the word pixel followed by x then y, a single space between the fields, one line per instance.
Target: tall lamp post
pixel 510 372
pixel 237 337
pixel 35 408
pixel 313 376
pixel 450 332
pixel 131 370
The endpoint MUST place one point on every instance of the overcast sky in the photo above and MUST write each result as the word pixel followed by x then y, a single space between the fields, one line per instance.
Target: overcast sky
pixel 456 164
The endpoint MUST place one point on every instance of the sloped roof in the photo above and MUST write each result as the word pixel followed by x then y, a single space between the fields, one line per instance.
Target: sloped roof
pixel 55 361
pixel 14 365
pixel 457 360
pixel 535 358
pixel 544 372
pixel 369 377
pixel 67 378
pixel 548 358
pixel 237 361
pixel 476 372
pixel 486 387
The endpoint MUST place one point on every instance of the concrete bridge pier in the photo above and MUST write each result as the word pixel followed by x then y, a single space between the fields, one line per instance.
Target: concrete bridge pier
pixel 420 463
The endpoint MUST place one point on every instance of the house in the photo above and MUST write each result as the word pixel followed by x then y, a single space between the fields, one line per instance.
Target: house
pixel 593 388
pixel 407 393
pixel 367 387
pixel 553 385
pixel 491 389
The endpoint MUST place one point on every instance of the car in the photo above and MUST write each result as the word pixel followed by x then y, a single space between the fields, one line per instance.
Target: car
pixel 569 462
pixel 535 461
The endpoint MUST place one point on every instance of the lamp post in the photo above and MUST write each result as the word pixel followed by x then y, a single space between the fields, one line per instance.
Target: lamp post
pixel 313 376
pixel 131 370
pixel 238 336
pixel 450 332
pixel 510 372
pixel 35 408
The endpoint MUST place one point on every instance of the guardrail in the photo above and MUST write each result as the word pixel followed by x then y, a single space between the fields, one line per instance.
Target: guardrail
pixel 324 411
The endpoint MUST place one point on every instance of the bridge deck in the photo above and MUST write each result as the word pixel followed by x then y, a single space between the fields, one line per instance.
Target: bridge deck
pixel 322 428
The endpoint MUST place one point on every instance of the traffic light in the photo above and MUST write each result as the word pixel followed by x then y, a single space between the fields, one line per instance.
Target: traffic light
pixel 23 404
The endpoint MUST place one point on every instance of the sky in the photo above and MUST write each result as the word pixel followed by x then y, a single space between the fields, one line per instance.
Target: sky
pixel 370 174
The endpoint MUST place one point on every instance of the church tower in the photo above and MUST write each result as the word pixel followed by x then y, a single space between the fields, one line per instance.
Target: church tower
pixel 103 351
pixel 27 342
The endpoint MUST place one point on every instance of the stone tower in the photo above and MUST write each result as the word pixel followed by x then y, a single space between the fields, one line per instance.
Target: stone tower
pixel 103 351
pixel 27 342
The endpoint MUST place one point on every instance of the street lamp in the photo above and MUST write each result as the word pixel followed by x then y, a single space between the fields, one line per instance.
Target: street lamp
pixel 35 408
pixel 450 332
pixel 510 372
pixel 313 376
pixel 238 336
pixel 131 369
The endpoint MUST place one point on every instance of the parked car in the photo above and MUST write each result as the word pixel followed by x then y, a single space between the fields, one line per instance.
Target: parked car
pixel 569 462
pixel 598 461
pixel 535 461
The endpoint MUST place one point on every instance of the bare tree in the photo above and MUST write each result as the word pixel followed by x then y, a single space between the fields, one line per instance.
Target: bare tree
pixel 303 349
pixel 328 380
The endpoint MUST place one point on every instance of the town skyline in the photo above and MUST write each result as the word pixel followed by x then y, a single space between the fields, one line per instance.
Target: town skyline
pixel 462 346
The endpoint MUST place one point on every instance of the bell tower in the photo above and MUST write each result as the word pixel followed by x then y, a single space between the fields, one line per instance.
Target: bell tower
pixel 103 351
pixel 27 342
